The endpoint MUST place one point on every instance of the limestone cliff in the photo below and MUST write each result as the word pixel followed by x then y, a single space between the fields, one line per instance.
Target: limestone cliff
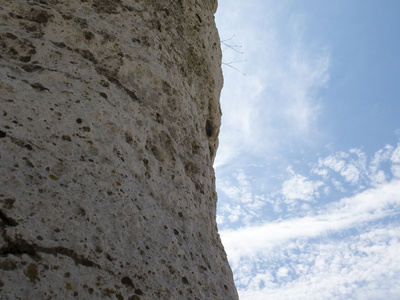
pixel 108 131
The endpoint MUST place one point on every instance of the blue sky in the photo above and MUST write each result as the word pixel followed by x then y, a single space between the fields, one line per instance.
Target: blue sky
pixel 308 167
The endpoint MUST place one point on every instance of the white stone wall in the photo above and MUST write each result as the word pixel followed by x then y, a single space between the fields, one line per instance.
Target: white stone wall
pixel 109 120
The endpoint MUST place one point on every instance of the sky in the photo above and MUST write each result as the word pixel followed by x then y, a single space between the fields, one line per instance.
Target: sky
pixel 308 165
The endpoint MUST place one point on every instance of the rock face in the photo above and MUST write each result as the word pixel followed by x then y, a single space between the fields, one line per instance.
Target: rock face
pixel 108 131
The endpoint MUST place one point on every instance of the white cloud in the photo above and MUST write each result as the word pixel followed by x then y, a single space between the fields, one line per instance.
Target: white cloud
pixel 376 174
pixel 220 219
pixel 243 204
pixel 339 250
pixel 321 172
pixel 238 190
pixel 323 268
pixel 350 173
pixel 370 205
pixel 299 187
pixel 308 71
pixel 282 272
pixel 396 171
pixel 395 158
pixel 343 247
pixel 382 155
pixel 355 169
pixel 280 93
pixel 233 213
pixel 338 185
pixel 358 267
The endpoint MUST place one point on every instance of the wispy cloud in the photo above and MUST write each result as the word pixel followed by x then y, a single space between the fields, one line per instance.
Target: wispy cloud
pixel 245 205
pixel 299 187
pixel 348 165
pixel 370 205
pixel 336 249
pixel 329 231
pixel 357 267
pixel 353 168
pixel 279 94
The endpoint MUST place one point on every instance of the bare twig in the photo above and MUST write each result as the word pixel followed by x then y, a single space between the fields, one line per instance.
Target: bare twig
pixel 229 46
pixel 235 49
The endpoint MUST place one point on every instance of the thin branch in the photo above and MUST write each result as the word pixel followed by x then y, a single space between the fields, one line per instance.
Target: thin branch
pixel 235 61
pixel 236 69
pixel 232 47
pixel 235 49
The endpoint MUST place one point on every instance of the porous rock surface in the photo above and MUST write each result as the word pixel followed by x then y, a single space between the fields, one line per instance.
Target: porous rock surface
pixel 108 131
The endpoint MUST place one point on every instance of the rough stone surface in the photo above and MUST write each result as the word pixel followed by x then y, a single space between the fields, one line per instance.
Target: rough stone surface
pixel 108 130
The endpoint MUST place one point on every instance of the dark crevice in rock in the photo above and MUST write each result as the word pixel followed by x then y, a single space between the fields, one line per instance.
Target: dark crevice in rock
pixel 78 259
pixel 20 246
pixel 127 282
pixel 2 134
pixel 198 17
pixel 139 292
pixel 109 75
pixel 11 36
pixel 32 68
pixel 40 16
pixel 106 6
pixel 59 44
pixel 17 247
pixel 39 87
pixel 8 203
pixel 86 54
pixel 20 143
pixel 131 94
pixel 7 221
pixel 209 128
pixel 112 79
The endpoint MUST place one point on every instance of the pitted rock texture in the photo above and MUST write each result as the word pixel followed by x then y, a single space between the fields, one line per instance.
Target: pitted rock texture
pixel 108 131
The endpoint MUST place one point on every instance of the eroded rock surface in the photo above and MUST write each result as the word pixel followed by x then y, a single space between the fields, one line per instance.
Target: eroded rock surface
pixel 108 131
